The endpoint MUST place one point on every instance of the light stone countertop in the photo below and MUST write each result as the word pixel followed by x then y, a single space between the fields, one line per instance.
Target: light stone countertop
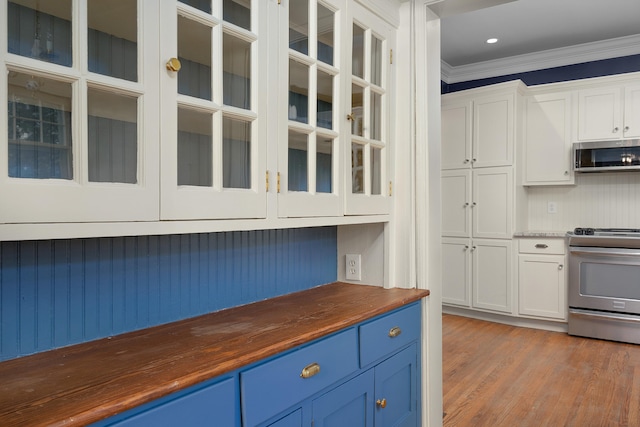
pixel 556 234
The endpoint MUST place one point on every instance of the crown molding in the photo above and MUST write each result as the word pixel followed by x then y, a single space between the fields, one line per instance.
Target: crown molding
pixel 606 49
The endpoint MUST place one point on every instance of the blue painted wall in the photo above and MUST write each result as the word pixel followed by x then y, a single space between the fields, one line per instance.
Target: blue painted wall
pixel 606 67
pixel 56 293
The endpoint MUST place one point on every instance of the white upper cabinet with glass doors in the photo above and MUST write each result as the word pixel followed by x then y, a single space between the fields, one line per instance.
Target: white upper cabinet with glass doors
pixel 309 164
pixel 80 107
pixel 213 113
pixel 370 113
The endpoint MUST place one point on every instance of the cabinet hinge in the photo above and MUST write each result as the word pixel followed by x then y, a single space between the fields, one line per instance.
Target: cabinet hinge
pixel 390 56
pixel 390 188
pixel 278 183
pixel 267 181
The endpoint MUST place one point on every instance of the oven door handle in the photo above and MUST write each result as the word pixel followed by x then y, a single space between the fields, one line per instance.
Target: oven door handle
pixel 611 316
pixel 580 250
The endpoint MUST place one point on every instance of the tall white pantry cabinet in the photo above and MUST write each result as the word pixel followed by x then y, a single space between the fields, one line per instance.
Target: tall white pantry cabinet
pixel 481 202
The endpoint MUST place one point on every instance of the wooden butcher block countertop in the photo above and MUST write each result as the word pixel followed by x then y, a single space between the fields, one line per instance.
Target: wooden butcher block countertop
pixel 84 383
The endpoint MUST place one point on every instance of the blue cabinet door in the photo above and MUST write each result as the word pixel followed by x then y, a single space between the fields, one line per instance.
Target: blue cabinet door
pixel 349 405
pixel 396 390
pixel 294 419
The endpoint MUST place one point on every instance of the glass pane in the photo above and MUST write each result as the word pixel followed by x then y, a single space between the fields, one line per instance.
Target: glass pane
pixel 112 38
pixel 376 116
pixel 298 92
pixel 236 72
pixel 357 60
pixel 357 125
pixel 299 25
pixel 357 169
pixel 325 34
pixel 376 61
pixel 203 5
pixel 39 127
pixel 298 161
pixel 237 12
pixel 325 100
pixel 376 170
pixel 112 137
pixel 40 30
pixel 195 148
pixel 236 153
pixel 324 166
pixel 194 52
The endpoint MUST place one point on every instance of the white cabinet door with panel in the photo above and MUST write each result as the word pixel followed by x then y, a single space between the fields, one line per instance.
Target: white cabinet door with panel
pixel 456 135
pixel 478 203
pixel 370 116
pixel 542 278
pixel 493 130
pixel 631 120
pixel 79 100
pixel 456 271
pixel 214 109
pixel 609 112
pixel 547 140
pixel 492 203
pixel 456 203
pixel 312 110
pixel 492 279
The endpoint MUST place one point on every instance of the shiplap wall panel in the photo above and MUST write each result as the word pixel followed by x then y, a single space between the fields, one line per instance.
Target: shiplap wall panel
pixel 59 292
pixel 599 200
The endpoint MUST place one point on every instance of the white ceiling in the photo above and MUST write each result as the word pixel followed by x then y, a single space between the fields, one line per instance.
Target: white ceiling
pixel 536 34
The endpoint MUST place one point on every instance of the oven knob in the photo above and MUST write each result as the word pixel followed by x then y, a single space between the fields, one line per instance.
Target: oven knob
pixel 578 231
pixel 589 231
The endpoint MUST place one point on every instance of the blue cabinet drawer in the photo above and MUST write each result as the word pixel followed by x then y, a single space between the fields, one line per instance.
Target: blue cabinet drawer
pixel 274 386
pixel 213 405
pixel 389 333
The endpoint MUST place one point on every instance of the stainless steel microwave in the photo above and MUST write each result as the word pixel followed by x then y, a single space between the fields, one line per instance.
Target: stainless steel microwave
pixel 601 156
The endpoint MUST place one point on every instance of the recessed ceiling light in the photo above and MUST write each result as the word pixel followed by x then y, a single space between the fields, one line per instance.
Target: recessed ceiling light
pixel 492 40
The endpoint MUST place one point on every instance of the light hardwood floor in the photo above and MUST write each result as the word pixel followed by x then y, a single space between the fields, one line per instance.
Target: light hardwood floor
pixel 498 375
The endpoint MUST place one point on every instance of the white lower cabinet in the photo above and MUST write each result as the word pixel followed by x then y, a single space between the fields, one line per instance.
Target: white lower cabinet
pixel 542 279
pixel 477 273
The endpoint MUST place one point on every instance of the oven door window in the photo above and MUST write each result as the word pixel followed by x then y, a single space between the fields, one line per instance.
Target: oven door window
pixel 612 280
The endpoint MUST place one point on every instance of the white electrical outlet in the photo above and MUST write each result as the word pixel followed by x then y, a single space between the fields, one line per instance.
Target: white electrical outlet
pixel 353 269
pixel 552 207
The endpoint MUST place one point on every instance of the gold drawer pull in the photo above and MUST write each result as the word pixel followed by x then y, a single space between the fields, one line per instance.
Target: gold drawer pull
pixel 310 370
pixel 382 403
pixel 394 332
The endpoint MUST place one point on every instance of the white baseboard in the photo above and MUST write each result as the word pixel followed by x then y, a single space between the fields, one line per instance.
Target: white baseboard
pixel 524 322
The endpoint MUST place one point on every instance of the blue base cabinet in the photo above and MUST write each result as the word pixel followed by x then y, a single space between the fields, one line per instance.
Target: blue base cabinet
pixel 209 405
pixel 363 376
pixel 380 390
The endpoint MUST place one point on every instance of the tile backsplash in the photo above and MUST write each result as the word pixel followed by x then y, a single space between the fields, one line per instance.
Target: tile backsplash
pixel 597 200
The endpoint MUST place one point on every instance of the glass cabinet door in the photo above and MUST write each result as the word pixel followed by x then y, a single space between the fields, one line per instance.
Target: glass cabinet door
pixel 213 154
pixel 370 115
pixel 80 115
pixel 309 138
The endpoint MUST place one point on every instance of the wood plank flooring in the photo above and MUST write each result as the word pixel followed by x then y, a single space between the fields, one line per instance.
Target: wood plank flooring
pixel 498 375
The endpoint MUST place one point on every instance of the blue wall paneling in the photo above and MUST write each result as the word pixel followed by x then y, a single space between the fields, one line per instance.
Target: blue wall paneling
pixel 56 293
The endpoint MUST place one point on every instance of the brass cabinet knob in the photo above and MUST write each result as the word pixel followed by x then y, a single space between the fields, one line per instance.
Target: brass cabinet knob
pixel 310 370
pixel 395 331
pixel 381 403
pixel 174 64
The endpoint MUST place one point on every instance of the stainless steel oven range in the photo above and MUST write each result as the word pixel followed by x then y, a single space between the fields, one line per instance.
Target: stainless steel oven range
pixel 604 283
